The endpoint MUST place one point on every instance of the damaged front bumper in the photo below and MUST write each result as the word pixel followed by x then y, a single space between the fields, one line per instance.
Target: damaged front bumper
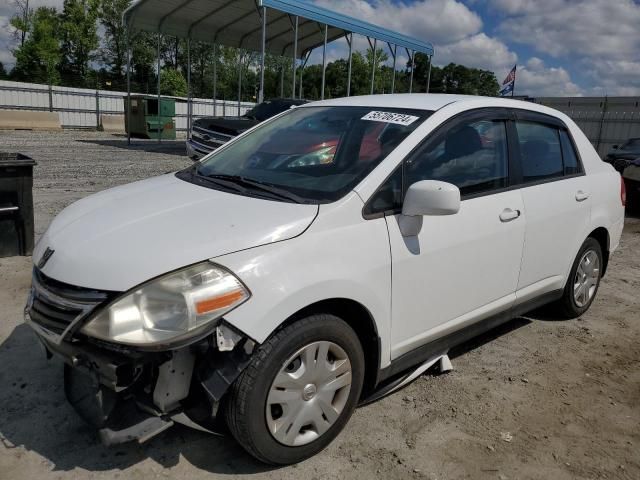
pixel 130 394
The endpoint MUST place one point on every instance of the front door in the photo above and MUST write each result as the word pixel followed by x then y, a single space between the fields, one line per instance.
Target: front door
pixel 464 267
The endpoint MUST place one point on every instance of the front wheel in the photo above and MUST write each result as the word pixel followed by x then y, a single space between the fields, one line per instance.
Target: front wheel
pixel 299 390
pixel 584 280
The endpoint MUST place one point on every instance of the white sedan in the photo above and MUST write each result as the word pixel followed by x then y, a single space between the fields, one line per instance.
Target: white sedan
pixel 319 260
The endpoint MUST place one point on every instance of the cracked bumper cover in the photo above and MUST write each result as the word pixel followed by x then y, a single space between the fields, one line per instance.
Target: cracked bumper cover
pixel 134 395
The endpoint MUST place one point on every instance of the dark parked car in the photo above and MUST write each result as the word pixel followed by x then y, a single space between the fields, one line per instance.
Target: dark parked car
pixel 622 156
pixel 209 133
pixel 631 175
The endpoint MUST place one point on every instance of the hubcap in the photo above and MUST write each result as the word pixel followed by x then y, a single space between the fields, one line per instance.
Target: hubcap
pixel 309 393
pixel 586 279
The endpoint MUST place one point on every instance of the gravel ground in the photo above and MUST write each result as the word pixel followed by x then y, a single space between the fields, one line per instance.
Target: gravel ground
pixel 538 398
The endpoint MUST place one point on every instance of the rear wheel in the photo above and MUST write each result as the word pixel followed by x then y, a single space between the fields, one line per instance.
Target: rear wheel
pixel 584 280
pixel 299 390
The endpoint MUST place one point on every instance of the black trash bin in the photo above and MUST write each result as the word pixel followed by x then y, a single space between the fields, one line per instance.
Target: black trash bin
pixel 16 204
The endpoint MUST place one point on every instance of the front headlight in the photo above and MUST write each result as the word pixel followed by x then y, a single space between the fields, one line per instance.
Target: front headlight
pixel 170 308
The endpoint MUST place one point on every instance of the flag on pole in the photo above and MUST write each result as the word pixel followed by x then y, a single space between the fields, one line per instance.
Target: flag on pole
pixel 509 83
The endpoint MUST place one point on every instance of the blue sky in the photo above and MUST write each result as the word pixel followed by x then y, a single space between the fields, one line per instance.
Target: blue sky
pixel 561 47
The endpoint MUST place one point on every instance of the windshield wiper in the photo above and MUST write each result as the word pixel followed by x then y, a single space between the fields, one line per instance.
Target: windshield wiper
pixel 272 190
pixel 218 180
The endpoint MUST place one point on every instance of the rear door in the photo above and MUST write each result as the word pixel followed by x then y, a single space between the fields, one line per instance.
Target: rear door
pixel 557 203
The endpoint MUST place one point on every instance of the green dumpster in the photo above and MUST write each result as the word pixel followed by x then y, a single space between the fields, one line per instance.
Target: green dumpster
pixel 145 121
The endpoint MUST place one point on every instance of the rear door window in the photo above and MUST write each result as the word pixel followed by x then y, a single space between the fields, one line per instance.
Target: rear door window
pixel 540 151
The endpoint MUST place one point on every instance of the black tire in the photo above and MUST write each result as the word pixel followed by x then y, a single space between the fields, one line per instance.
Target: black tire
pixel 245 404
pixel 567 306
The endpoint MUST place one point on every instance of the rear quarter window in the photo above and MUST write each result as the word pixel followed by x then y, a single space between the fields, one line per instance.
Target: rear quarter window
pixel 569 155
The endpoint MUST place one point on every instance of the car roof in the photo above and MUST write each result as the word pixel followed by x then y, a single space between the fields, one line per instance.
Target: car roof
pixel 292 101
pixel 433 101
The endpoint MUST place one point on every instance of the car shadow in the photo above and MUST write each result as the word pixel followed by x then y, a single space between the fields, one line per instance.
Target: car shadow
pixel 169 147
pixel 489 336
pixel 36 416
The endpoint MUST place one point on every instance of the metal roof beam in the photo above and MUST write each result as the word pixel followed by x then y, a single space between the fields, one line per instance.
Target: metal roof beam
pixel 208 15
pixel 256 30
pixel 165 17
pixel 233 22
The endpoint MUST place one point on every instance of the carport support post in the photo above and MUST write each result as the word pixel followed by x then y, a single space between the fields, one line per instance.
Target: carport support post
pixel 281 81
pixel 324 60
pixel 97 109
pixel 373 63
pixel 429 74
pixel 295 59
pixel 239 81
pixel 128 87
pixel 413 65
pixel 304 64
pixel 393 75
pixel 188 87
pixel 350 42
pixel 158 112
pixel 215 77
pixel 263 43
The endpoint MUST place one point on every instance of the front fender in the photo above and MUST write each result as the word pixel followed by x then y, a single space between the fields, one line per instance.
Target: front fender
pixel 340 256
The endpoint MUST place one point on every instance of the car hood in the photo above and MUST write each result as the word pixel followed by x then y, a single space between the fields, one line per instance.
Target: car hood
pixel 119 238
pixel 624 154
pixel 227 125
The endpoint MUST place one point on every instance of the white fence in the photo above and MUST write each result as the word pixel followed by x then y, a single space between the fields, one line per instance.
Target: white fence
pixel 81 107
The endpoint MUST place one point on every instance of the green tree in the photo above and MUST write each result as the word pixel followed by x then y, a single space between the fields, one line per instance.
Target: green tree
pixel 38 58
pixel 337 72
pixel 454 78
pixel 79 39
pixel 172 83
pixel 3 72
pixel 172 49
pixel 143 62
pixel 277 76
pixel 21 20
pixel 113 49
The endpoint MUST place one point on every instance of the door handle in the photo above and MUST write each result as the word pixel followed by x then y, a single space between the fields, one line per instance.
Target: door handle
pixel 8 209
pixel 508 214
pixel 581 196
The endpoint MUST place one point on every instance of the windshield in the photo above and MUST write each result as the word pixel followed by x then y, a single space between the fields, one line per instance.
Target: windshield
pixel 266 110
pixel 311 154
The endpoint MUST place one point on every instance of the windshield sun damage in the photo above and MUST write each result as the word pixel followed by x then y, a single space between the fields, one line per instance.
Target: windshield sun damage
pixel 309 154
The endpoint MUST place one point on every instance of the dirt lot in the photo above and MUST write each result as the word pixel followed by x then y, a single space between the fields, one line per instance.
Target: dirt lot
pixel 539 399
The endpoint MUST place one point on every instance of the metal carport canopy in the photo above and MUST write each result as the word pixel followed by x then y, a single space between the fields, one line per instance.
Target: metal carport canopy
pixel 238 23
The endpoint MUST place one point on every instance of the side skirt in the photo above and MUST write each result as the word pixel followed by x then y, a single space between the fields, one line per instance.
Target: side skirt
pixel 397 371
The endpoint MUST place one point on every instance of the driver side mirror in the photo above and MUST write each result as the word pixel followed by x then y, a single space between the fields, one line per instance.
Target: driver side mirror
pixel 427 197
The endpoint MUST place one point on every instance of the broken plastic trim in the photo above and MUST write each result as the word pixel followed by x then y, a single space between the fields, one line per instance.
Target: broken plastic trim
pixel 182 386
pixel 401 381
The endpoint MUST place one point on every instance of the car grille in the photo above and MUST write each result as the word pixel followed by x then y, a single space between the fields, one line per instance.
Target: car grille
pixel 209 138
pixel 55 305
